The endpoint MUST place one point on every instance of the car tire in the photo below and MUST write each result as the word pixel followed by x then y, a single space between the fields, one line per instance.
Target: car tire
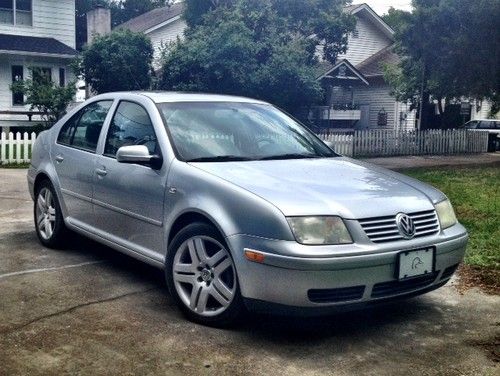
pixel 49 221
pixel 201 276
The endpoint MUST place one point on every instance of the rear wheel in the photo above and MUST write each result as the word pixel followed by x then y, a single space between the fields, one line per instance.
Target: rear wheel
pixel 201 276
pixel 49 222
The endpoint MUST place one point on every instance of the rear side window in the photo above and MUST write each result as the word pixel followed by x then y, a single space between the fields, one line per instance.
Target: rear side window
pixel 82 129
pixel 131 125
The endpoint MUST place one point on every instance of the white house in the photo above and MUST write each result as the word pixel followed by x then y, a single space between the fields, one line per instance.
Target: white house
pixel 33 34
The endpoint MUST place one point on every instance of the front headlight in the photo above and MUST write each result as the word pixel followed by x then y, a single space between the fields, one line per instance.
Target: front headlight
pixel 446 214
pixel 319 230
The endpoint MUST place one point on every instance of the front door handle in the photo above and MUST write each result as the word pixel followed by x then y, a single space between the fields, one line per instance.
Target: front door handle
pixel 101 171
pixel 59 158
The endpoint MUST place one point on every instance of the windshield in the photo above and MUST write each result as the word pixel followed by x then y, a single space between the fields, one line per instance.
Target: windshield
pixel 229 131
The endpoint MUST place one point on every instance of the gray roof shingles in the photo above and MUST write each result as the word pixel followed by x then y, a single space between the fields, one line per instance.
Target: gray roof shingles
pixel 152 18
pixel 39 45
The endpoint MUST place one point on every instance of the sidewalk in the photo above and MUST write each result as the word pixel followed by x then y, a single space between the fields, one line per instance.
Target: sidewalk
pixel 403 162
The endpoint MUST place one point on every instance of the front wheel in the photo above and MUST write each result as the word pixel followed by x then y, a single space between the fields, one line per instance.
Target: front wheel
pixel 201 276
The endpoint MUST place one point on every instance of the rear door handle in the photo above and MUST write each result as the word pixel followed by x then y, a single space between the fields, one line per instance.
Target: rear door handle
pixel 59 158
pixel 101 171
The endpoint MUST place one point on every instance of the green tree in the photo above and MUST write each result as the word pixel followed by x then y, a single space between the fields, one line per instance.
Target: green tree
pixel 396 18
pixel 121 60
pixel 45 96
pixel 264 49
pixel 449 49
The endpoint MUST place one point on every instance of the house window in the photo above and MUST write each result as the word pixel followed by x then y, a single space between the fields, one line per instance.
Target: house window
pixel 62 77
pixel 24 12
pixel 17 75
pixel 16 12
pixel 7 11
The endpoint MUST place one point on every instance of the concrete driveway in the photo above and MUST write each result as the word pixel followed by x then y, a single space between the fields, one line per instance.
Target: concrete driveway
pixel 90 310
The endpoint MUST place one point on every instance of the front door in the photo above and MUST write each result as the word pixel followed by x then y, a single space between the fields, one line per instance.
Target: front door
pixel 73 156
pixel 364 120
pixel 129 198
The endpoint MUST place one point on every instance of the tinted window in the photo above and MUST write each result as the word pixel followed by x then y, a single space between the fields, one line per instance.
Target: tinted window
pixel 471 125
pixel 130 125
pixel 485 125
pixel 83 129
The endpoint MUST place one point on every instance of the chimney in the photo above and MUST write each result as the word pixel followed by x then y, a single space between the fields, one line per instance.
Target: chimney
pixel 98 22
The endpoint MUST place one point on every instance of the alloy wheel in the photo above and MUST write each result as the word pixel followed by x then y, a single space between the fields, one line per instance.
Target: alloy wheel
pixel 45 213
pixel 204 275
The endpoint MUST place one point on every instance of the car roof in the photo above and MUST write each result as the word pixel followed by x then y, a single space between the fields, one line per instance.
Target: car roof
pixel 171 96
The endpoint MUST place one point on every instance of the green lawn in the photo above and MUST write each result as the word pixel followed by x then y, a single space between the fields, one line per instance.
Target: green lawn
pixel 475 195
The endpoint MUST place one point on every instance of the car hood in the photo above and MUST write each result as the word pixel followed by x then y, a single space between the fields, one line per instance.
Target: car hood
pixel 327 186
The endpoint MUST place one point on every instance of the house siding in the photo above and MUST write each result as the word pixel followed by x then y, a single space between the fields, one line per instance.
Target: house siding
pixel 164 35
pixel 377 96
pixel 369 41
pixel 51 19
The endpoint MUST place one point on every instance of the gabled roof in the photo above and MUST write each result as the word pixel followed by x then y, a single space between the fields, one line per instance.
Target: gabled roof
pixel 365 9
pixel 23 45
pixel 374 65
pixel 355 72
pixel 153 19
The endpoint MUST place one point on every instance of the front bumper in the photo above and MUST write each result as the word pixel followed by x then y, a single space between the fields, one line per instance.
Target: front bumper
pixel 343 280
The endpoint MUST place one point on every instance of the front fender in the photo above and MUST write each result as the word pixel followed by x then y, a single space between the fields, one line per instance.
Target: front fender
pixel 233 209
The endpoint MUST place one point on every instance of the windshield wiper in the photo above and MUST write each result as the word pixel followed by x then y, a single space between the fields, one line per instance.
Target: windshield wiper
pixel 290 156
pixel 220 158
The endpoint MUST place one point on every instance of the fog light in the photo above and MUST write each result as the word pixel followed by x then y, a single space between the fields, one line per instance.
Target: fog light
pixel 254 256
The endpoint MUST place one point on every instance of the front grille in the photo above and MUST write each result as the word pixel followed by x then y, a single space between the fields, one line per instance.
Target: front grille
pixel 383 289
pixel 343 294
pixel 385 229
pixel 448 272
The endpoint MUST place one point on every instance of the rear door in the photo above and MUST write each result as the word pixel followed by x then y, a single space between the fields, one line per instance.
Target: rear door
pixel 74 157
pixel 129 198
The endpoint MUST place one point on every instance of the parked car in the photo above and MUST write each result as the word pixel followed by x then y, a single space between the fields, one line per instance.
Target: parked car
pixel 490 125
pixel 242 206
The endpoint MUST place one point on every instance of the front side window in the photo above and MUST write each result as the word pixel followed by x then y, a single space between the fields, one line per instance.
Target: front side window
pixel 82 130
pixel 130 125
pixel 16 12
pixel 224 131
pixel 471 125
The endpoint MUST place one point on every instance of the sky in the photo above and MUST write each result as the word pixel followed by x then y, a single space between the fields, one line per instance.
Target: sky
pixel 381 6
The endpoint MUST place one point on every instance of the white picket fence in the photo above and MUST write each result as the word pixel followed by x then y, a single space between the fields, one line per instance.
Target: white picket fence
pixel 16 148
pixel 380 143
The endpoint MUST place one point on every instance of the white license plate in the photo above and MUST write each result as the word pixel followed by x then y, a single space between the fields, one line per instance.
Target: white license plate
pixel 416 263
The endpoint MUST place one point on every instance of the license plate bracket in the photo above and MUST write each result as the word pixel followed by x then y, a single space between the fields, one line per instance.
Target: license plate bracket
pixel 415 263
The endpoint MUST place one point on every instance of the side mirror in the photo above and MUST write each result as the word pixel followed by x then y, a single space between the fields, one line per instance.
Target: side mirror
pixel 138 154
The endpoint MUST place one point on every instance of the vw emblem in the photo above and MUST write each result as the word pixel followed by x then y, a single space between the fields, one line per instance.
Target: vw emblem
pixel 405 225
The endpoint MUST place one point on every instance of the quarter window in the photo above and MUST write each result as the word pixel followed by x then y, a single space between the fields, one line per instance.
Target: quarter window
pixel 82 130
pixel 131 125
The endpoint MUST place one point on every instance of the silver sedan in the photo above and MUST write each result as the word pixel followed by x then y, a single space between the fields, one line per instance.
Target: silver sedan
pixel 242 206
